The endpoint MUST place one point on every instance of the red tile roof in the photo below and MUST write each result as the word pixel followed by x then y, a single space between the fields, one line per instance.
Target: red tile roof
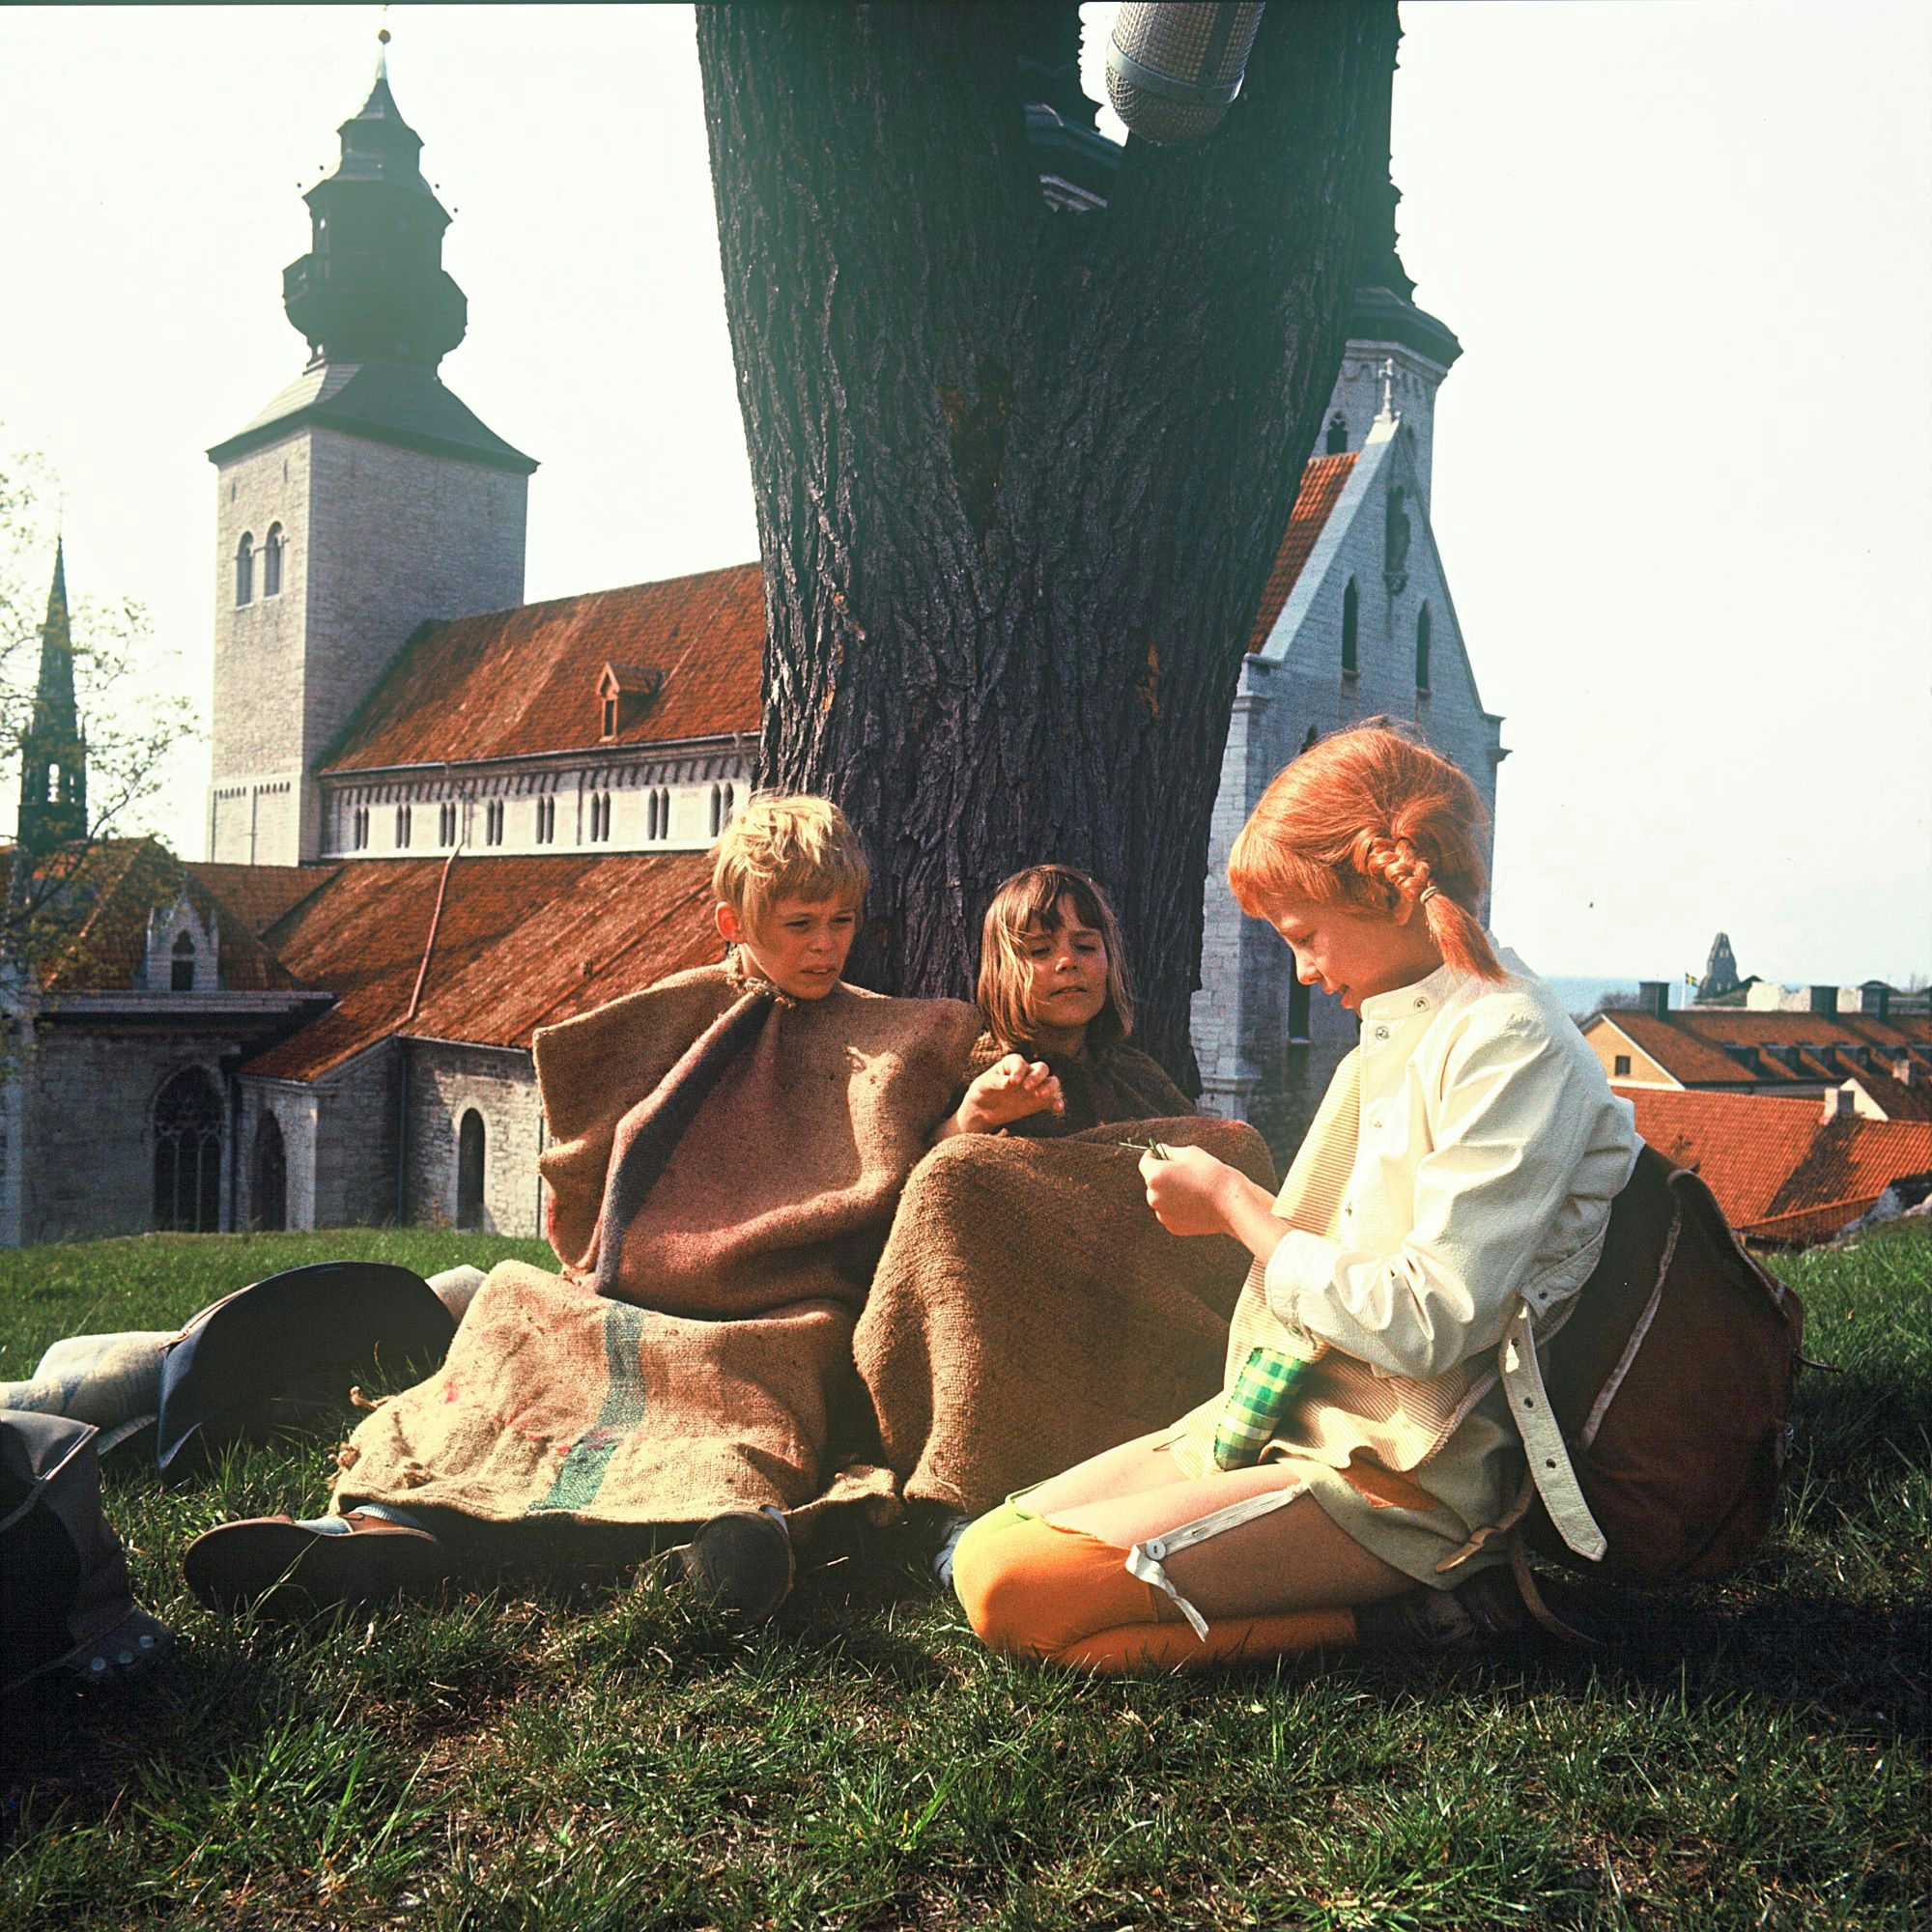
pixel 260 895
pixel 1321 488
pixel 96 924
pixel 520 942
pixel 516 682
pixel 1689 1046
pixel 1780 1170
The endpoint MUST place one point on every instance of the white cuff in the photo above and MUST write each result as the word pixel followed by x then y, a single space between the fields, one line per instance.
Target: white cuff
pixel 1300 1261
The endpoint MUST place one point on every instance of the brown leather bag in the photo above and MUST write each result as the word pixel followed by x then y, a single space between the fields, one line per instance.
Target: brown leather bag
pixel 1672 1380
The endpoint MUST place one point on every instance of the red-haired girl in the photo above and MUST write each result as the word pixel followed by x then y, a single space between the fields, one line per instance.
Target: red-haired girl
pixel 1348 1479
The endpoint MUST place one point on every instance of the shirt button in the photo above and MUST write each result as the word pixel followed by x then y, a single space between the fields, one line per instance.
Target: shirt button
pixel 1381 1033
pixel 1422 1006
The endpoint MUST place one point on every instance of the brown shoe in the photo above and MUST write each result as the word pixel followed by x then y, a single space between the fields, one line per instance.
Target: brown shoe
pixel 1487 1607
pixel 741 1560
pixel 280 1567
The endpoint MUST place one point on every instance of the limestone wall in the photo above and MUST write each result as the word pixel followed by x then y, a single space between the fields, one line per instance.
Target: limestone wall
pixel 447 1081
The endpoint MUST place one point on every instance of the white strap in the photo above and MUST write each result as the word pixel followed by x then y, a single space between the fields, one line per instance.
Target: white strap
pixel 1144 1559
pixel 1536 1423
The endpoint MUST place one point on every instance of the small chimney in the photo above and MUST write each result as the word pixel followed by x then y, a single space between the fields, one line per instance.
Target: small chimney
pixel 1824 1000
pixel 1905 1070
pixel 1840 1103
pixel 1653 996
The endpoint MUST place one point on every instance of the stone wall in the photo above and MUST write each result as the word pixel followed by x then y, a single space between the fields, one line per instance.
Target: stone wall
pixel 446 1080
pixel 85 1120
pixel 378 540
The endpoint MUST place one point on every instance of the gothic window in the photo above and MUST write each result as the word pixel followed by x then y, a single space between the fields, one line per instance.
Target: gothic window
pixel 1422 652
pixel 546 820
pixel 359 833
pixel 1351 617
pixel 244 571
pixel 726 815
pixel 469 1148
pixel 272 562
pixel 403 815
pixel 181 975
pixel 492 822
pixel 1338 434
pixel 188 1154
pixel 717 810
pixel 268 1177
pixel 651 827
pixel 445 824
pixel 600 816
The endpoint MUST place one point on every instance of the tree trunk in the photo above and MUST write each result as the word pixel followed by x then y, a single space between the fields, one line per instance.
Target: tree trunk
pixel 1020 475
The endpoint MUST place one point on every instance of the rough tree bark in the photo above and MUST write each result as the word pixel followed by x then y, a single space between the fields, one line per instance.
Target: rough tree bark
pixel 1020 475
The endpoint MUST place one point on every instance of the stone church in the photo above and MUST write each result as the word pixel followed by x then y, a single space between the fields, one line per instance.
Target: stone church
pixel 440 817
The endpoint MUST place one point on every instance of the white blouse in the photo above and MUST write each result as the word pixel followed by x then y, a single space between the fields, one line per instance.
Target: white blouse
pixel 1490 1149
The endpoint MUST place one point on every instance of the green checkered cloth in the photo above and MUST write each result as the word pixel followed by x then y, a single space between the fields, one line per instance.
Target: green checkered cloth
pixel 1266 1388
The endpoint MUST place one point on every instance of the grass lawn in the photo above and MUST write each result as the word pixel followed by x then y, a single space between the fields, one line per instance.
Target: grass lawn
pixel 584 1755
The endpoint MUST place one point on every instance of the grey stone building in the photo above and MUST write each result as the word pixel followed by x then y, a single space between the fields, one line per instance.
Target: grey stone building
pixel 1357 620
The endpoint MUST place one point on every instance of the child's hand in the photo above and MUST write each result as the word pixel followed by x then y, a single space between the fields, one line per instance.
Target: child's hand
pixel 1188 1190
pixel 1009 1090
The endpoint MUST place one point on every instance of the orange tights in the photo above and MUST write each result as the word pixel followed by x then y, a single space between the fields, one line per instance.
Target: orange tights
pixel 1038 1590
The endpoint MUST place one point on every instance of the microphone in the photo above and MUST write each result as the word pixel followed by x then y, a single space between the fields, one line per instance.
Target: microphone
pixel 1173 65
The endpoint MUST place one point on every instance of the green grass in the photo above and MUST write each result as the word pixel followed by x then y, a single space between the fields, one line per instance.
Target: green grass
pixel 580 1752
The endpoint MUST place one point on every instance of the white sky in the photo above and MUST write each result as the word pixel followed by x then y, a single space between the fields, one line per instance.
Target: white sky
pixel 1681 486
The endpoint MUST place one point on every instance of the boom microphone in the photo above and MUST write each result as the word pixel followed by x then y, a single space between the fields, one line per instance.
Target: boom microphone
pixel 1173 65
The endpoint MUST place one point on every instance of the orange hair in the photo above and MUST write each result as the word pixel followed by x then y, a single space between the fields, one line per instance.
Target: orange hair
pixel 1368 818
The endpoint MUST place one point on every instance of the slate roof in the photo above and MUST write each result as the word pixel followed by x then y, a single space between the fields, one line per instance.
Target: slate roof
pixel 520 942
pixel 1321 485
pixel 514 683
pixel 1689 1046
pixel 100 920
pixel 389 402
pixel 1781 1171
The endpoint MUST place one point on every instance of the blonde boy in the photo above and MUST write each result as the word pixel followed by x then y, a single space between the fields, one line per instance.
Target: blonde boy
pixel 725 1151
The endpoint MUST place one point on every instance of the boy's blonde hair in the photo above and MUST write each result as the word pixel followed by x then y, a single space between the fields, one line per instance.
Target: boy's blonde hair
pixel 1029 902
pixel 782 846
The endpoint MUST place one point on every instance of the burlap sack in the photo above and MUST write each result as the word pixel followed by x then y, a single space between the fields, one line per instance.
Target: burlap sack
pixel 1029 1310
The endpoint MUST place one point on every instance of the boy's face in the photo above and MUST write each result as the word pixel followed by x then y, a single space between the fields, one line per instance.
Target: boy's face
pixel 800 945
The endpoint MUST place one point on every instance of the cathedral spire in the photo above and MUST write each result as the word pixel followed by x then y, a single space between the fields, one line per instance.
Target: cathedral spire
pixel 372 287
pixel 53 754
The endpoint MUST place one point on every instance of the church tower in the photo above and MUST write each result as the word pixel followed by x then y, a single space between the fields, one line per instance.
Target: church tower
pixel 366 499
pixel 53 754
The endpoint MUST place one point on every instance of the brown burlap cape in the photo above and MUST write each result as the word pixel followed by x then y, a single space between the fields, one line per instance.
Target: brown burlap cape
pixel 717 1236
pixel 1029 1310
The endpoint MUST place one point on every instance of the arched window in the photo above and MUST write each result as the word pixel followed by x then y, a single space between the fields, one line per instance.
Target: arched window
pixel 546 820
pixel 651 816
pixel 1422 652
pixel 244 571
pixel 272 562
pixel 716 810
pixel 1337 441
pixel 268 1177
pixel 1351 617
pixel 470 1170
pixel 188 1154
pixel 445 824
pixel 726 819
pixel 403 816
pixel 492 822
pixel 182 974
pixel 360 836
